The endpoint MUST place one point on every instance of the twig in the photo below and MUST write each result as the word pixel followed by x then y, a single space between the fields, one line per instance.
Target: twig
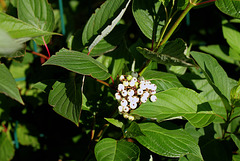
pixel 38 54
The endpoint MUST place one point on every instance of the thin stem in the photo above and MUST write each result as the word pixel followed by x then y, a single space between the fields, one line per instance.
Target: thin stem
pixel 175 25
pixel 221 117
pixel 93 127
pixel 38 54
pixel 49 55
pixel 209 1
pixel 104 83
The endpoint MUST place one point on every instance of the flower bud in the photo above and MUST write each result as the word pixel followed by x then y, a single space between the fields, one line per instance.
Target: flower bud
pixel 133 105
pixel 130 92
pixel 125 115
pixel 120 109
pixel 153 98
pixel 134 74
pixel 139 91
pixel 131 118
pixel 118 96
pixel 153 91
pixel 132 83
pixel 120 87
pixel 146 94
pixel 153 87
pixel 124 93
pixel 121 78
pixel 125 109
pixel 143 99
pixel 129 77
pixel 125 83
pixel 124 102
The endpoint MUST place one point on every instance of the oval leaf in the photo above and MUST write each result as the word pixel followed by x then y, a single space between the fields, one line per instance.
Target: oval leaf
pixel 178 102
pixel 66 98
pixel 171 53
pixel 103 21
pixel 215 75
pixel 147 15
pixel 79 63
pixel 19 29
pixel 229 7
pixel 8 85
pixel 39 14
pixel 169 143
pixel 110 149
pixel 163 80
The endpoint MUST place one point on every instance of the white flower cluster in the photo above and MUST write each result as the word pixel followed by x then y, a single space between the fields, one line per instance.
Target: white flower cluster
pixel 132 92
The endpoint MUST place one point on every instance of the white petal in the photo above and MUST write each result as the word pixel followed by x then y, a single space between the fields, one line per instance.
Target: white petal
pixel 153 98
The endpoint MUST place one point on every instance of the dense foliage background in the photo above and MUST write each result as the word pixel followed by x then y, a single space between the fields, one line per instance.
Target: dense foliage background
pixel 60 63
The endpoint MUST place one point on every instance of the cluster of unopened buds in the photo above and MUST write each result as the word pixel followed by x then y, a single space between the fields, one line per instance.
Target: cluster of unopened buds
pixel 132 91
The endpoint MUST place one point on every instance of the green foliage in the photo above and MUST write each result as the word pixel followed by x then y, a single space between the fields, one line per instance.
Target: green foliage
pixel 126 82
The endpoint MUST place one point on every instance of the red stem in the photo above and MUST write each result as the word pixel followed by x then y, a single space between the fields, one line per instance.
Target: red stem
pixel 49 55
pixel 209 1
pixel 5 128
pixel 38 54
pixel 112 80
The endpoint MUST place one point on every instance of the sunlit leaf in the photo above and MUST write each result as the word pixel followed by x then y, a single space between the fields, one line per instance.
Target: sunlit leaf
pixel 110 149
pixel 178 102
pixel 163 80
pixel 39 14
pixel 103 21
pixel 215 75
pixel 149 16
pixel 115 122
pixel 79 63
pixel 169 142
pixel 19 29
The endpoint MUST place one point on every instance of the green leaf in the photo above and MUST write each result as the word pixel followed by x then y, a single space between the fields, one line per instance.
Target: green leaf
pixel 215 75
pixel 219 51
pixel 79 63
pixel 235 96
pixel 112 150
pixel 8 46
pixel 236 140
pixel 39 14
pixel 26 137
pixel 149 17
pixel 163 80
pixel 6 148
pixel 133 131
pixel 229 7
pixel 178 102
pixel 231 34
pixel 103 21
pixel 115 122
pixel 66 98
pixel 169 142
pixel 171 53
pixel 8 85
pixel 116 60
pixel 109 43
pixel 19 29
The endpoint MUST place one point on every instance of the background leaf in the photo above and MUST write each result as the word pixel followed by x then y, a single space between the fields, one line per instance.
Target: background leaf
pixel 110 149
pixel 103 21
pixel 39 14
pixel 229 7
pixel 231 34
pixel 163 80
pixel 6 148
pixel 171 53
pixel 169 142
pixel 8 85
pixel 66 98
pixel 19 29
pixel 218 51
pixel 115 122
pixel 215 75
pixel 149 17
pixel 178 102
pixel 8 46
pixel 79 63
